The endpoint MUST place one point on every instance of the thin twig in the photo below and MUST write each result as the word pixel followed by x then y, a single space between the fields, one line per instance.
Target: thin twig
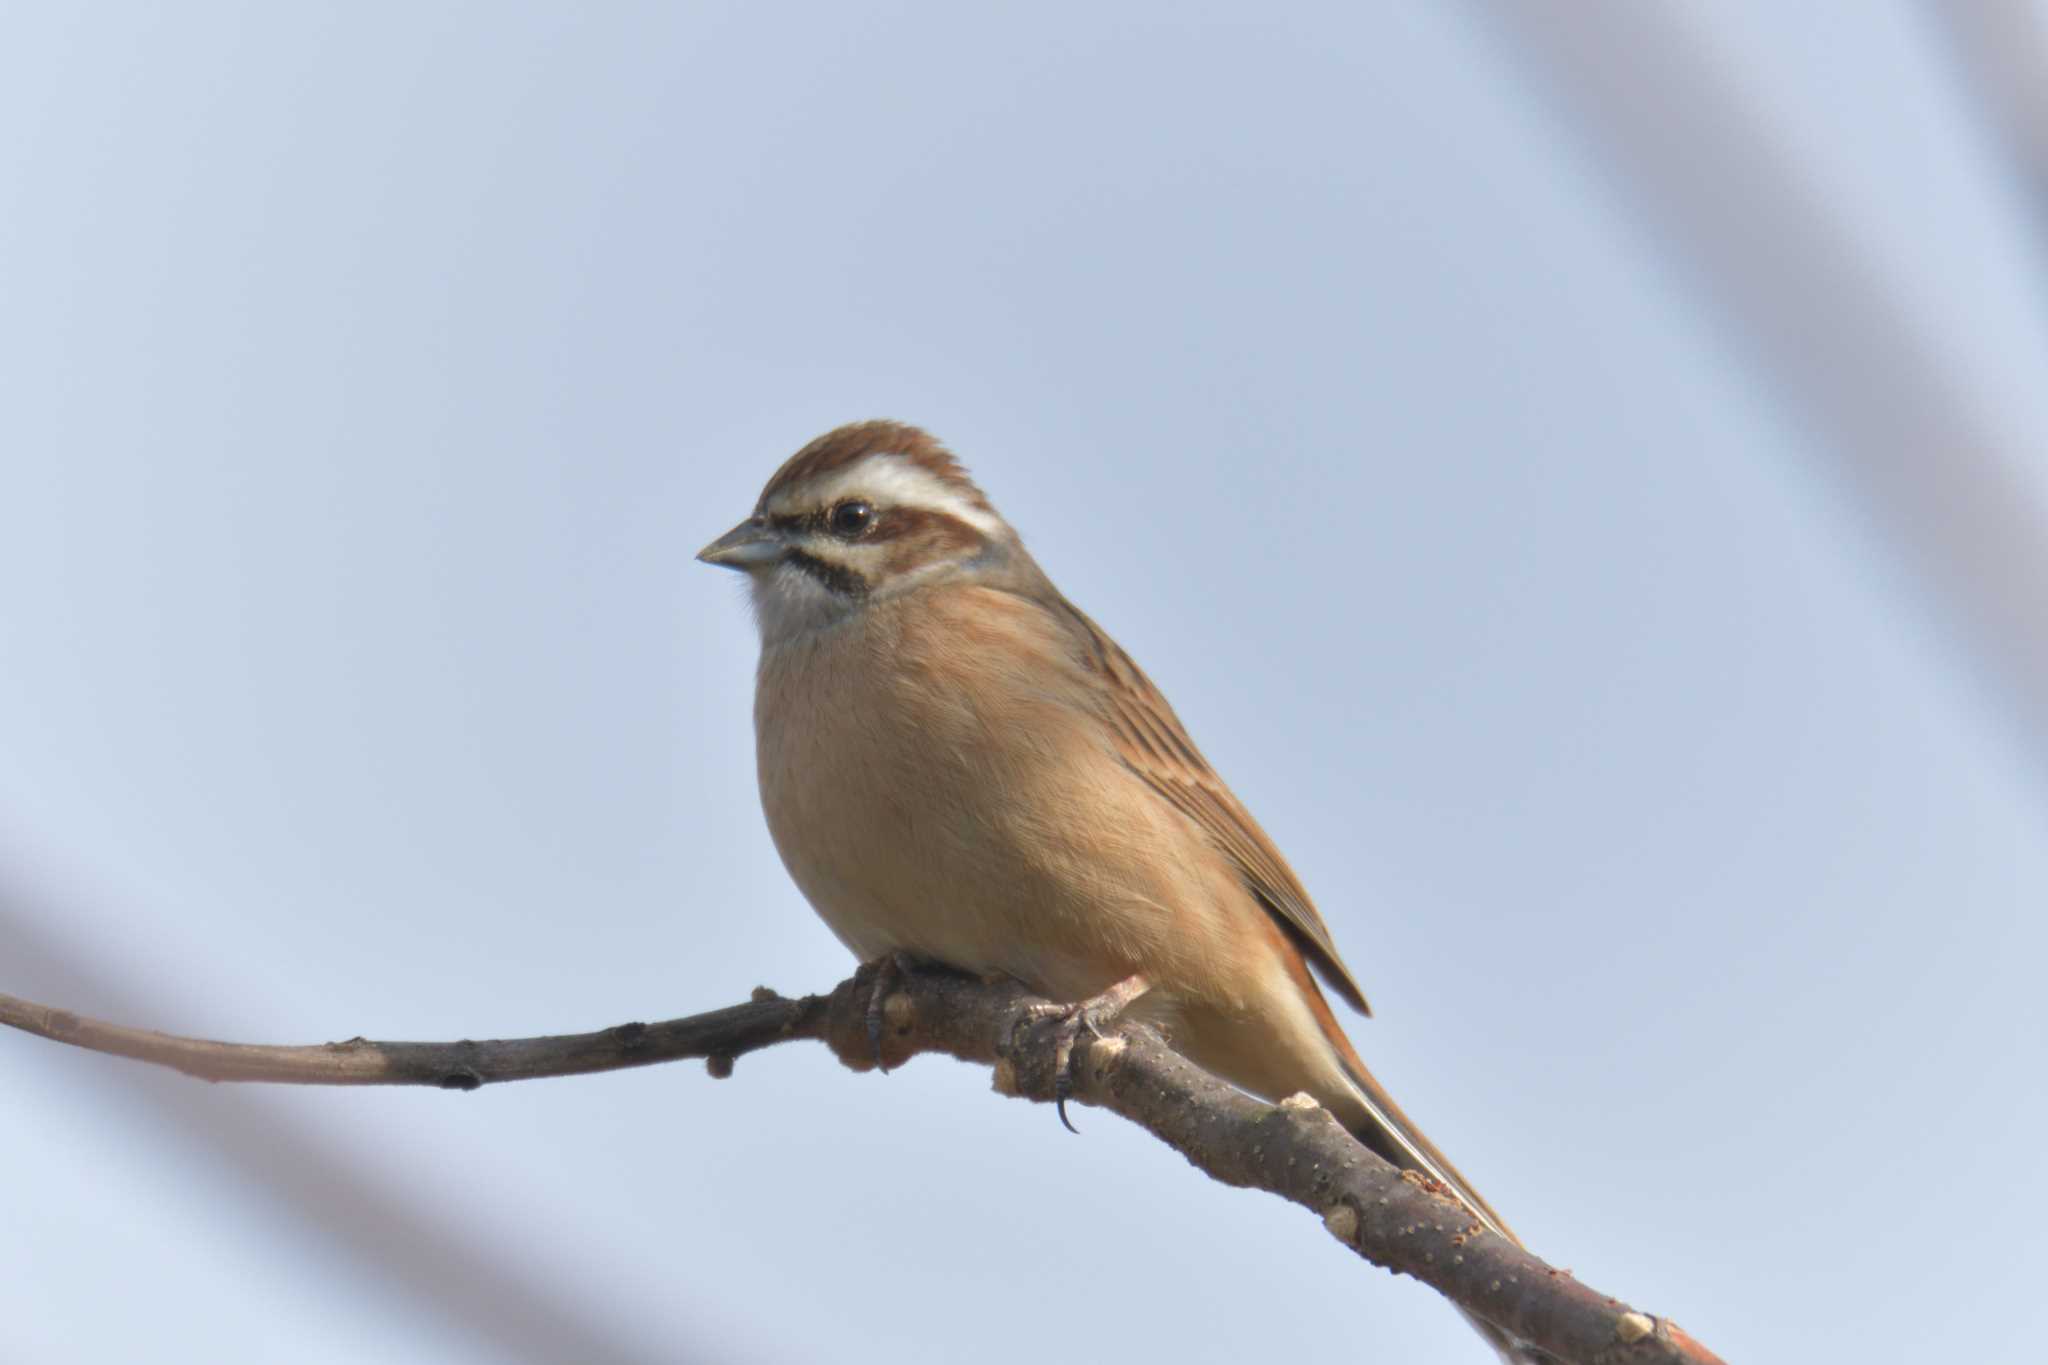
pixel 465 1065
pixel 1294 1149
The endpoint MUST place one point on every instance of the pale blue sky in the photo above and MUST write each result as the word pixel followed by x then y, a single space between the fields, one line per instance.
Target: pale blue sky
pixel 369 374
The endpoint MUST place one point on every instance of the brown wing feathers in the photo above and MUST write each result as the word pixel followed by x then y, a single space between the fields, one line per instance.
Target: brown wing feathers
pixel 1156 747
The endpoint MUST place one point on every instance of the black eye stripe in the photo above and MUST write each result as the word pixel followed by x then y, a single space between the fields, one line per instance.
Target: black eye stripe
pixel 835 577
pixel 882 524
pixel 821 521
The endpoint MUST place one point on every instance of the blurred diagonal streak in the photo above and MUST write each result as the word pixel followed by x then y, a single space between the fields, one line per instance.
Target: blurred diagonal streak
pixel 2001 47
pixel 324 1192
pixel 1945 479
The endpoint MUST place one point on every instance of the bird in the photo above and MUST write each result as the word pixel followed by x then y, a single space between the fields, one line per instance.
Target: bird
pixel 958 766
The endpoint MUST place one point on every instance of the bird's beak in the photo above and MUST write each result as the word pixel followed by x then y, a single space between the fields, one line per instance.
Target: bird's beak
pixel 746 546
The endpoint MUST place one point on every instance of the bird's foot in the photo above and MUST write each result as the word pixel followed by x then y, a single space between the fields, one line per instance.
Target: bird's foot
pixel 890 970
pixel 1095 1014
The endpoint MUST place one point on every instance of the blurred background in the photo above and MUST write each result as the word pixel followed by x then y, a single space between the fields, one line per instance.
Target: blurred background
pixel 1578 469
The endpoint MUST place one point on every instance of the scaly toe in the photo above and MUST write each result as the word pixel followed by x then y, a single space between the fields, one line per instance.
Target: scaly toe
pixel 1094 1014
pixel 890 970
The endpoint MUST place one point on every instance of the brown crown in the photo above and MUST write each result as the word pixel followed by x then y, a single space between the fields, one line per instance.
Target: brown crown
pixel 856 441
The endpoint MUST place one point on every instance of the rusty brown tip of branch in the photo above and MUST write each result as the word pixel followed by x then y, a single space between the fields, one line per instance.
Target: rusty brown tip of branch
pixel 1687 1348
pixel 1294 1149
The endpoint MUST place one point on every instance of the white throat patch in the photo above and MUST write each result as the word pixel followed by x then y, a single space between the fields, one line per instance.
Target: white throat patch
pixel 789 602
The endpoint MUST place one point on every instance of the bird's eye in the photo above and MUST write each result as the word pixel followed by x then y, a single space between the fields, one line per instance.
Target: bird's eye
pixel 849 519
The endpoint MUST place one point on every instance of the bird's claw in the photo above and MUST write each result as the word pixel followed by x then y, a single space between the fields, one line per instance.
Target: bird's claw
pixel 1095 1014
pixel 890 970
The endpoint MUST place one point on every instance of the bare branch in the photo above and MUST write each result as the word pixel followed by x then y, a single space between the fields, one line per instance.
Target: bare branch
pixel 464 1065
pixel 1294 1149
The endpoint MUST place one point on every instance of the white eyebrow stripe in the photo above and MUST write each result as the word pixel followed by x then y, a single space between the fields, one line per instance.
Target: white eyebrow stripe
pixel 896 481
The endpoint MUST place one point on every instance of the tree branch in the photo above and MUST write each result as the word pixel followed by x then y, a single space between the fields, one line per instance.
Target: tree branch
pixel 464 1065
pixel 1294 1149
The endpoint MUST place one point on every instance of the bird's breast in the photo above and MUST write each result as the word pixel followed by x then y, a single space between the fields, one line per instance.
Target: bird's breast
pixel 934 787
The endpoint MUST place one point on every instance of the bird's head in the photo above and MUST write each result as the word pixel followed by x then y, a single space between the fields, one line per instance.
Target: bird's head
pixel 861 513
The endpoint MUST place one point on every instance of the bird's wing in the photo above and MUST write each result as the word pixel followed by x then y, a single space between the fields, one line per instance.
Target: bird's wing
pixel 1153 744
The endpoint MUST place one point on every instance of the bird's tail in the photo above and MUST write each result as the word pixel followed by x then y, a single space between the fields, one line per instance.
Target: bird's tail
pixel 1282 1050
pixel 1379 1123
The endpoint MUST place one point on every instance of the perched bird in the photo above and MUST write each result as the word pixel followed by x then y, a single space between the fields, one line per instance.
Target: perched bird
pixel 959 766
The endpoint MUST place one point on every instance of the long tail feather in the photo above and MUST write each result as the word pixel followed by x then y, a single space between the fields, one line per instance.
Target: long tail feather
pixel 1384 1128
pixel 1394 1136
